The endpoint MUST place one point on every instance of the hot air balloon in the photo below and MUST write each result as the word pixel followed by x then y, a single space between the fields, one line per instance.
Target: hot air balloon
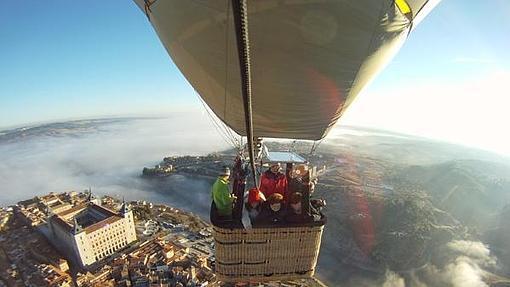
pixel 279 69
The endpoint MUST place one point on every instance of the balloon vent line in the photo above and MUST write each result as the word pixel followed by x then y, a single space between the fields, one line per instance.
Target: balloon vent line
pixel 240 11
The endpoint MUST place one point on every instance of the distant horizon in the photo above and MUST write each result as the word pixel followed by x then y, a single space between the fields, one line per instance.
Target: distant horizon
pixel 98 117
pixel 337 128
pixel 142 116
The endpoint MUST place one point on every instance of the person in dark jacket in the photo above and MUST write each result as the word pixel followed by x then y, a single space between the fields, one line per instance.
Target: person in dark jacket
pixel 272 212
pixel 296 182
pixel 295 213
pixel 299 183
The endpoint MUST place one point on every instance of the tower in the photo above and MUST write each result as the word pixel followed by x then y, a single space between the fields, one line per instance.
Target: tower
pixel 91 198
pixel 49 214
pixel 76 227
pixel 124 208
pixel 129 222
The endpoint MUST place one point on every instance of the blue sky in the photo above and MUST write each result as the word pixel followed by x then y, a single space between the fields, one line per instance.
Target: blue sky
pixel 63 59
pixel 72 59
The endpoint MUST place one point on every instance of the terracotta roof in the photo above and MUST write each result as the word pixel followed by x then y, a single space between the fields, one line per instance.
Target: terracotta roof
pixel 111 217
pixel 102 223
pixel 103 210
pixel 59 221
pixel 72 209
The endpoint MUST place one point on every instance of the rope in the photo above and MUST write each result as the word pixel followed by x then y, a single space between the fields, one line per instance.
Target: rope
pixel 315 146
pixel 292 146
pixel 226 60
pixel 240 11
pixel 228 133
pixel 217 126
pixel 221 128
pixel 312 149
pixel 147 7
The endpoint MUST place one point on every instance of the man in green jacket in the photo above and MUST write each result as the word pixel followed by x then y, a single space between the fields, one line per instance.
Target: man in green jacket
pixel 221 195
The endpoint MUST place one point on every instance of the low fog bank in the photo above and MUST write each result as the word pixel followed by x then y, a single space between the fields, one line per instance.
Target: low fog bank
pixel 462 264
pixel 109 158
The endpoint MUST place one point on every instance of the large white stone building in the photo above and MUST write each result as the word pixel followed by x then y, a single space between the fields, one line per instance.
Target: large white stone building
pixel 90 232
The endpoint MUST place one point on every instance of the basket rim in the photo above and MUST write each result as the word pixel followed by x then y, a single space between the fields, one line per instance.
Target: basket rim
pixel 234 224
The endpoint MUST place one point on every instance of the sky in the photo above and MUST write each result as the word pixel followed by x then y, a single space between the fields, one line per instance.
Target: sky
pixel 80 59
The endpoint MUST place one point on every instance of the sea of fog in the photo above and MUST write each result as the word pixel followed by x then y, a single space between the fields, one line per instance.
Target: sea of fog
pixel 108 156
pixel 109 159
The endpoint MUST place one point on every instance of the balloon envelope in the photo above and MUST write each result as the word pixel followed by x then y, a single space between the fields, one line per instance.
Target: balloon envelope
pixel 309 59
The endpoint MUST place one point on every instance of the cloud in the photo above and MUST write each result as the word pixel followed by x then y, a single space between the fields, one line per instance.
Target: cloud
pixel 464 267
pixel 463 272
pixel 393 280
pixel 465 263
pixel 110 159
pixel 475 251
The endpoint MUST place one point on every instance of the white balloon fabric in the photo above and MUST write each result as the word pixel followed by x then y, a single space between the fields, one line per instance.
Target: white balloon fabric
pixel 309 58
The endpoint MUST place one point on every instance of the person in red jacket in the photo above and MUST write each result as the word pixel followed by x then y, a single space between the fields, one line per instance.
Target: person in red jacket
pixel 273 181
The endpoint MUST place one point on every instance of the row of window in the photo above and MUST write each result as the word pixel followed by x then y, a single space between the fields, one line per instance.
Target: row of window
pixel 103 253
pixel 108 244
pixel 107 239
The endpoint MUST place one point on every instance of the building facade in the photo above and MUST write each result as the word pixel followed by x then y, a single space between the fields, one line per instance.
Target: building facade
pixel 91 232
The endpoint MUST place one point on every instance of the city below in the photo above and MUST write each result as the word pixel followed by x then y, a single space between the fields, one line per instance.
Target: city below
pixel 207 166
pixel 75 239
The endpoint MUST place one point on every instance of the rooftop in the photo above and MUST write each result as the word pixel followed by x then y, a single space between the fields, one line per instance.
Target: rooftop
pixel 101 224
pixel 90 217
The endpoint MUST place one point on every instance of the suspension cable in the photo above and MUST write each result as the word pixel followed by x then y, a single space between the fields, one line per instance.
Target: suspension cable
pixel 314 147
pixel 240 11
pixel 147 8
pixel 217 126
pixel 227 54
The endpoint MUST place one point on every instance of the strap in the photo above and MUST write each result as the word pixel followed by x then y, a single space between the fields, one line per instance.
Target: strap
pixel 240 11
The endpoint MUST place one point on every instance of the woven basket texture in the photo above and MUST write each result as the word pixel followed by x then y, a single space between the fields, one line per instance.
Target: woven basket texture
pixel 266 254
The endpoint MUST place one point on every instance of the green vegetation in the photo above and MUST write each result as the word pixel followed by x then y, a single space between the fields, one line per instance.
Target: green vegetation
pixel 408 229
pixel 142 212
pixel 194 223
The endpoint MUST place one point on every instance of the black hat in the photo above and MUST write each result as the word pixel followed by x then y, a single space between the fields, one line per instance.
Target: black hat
pixel 225 171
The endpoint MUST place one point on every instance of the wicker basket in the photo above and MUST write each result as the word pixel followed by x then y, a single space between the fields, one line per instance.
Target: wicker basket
pixel 266 254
